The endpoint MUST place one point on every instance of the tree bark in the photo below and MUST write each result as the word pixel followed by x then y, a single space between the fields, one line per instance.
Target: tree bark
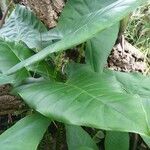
pixel 47 10
pixel 9 103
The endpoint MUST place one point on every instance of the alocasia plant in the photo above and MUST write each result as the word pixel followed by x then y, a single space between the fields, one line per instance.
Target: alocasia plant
pixel 89 95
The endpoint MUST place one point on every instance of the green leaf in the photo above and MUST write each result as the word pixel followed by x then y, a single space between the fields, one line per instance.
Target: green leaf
pixel 6 79
pixel 116 141
pixel 85 148
pixel 146 140
pixel 43 68
pixel 77 137
pixel 25 134
pixel 91 99
pixel 137 84
pixel 22 25
pixel 85 28
pixel 72 12
pixel 76 9
pixel 11 54
pixel 98 48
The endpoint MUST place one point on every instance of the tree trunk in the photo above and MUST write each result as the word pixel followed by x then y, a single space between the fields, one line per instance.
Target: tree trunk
pixel 47 10
pixel 9 103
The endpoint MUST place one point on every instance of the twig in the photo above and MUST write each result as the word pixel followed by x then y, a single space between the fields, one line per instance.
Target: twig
pixel 5 14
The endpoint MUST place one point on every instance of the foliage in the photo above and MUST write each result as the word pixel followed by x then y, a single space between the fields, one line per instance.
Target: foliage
pixel 87 94
pixel 117 140
pixel 20 136
pixel 138 31
pixel 83 139
pixel 22 25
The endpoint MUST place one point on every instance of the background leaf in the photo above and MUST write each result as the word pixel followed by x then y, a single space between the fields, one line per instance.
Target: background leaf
pixel 116 141
pixel 25 134
pixel 22 25
pixel 77 137
pixel 99 47
pixel 6 79
pixel 146 140
pixel 11 54
pixel 85 28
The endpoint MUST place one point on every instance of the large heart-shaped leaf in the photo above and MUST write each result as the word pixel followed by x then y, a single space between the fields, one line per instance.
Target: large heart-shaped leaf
pixel 11 54
pixel 25 134
pixel 77 138
pixel 22 25
pixel 92 99
pixel 84 28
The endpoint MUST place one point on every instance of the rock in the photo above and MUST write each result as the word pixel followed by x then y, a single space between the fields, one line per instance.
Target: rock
pixel 127 58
